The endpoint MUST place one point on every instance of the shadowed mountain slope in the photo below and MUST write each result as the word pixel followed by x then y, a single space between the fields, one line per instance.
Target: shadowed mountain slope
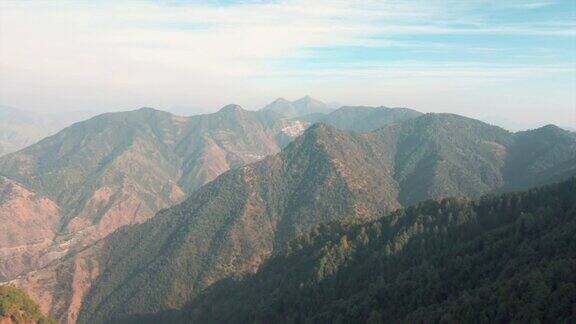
pixel 507 258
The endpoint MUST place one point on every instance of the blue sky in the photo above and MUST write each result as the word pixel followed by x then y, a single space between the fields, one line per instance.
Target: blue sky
pixel 505 59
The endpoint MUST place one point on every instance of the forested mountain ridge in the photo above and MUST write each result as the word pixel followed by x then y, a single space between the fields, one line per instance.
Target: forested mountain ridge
pixel 323 176
pixel 365 119
pixel 503 258
pixel 535 151
pixel 445 155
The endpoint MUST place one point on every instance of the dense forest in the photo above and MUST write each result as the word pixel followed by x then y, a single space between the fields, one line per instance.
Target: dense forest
pixel 506 258
pixel 17 307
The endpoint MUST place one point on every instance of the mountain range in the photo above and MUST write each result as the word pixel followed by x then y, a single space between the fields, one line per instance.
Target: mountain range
pixel 139 212
pixel 232 225
pixel 80 185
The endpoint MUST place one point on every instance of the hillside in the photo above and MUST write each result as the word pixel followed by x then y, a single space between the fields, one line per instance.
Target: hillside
pixel 17 307
pixel 507 258
pixel 236 222
pixel 30 223
pixel 115 169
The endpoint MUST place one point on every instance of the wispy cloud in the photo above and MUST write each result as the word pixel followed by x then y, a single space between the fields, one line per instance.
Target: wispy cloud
pixel 119 55
pixel 533 5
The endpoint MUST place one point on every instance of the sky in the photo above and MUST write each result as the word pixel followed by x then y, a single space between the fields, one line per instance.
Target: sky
pixel 508 60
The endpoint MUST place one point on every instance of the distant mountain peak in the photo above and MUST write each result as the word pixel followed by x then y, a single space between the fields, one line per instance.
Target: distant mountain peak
pixel 308 100
pixel 550 127
pixel 146 109
pixel 281 100
pixel 549 131
pixel 231 108
pixel 143 110
pixel 303 106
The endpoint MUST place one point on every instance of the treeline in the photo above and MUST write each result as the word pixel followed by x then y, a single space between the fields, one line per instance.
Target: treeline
pixel 506 258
